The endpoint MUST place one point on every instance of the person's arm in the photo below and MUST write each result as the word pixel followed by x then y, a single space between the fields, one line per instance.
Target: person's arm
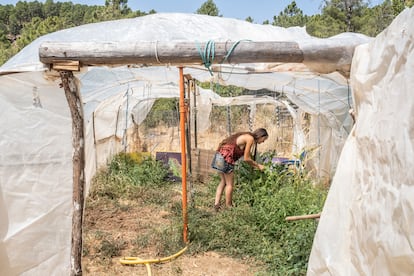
pixel 249 140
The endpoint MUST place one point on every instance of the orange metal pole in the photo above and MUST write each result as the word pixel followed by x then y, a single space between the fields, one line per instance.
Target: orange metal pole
pixel 183 113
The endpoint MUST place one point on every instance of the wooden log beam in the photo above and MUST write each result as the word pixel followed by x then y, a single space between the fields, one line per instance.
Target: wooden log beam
pixel 323 56
pixel 174 53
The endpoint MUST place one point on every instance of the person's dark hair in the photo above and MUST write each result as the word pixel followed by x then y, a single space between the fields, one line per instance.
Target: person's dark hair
pixel 260 132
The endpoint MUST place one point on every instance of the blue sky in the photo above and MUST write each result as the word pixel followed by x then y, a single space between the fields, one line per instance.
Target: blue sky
pixel 259 10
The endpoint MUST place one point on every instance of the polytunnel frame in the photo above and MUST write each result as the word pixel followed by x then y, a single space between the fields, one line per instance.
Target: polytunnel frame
pixel 72 94
pixel 68 57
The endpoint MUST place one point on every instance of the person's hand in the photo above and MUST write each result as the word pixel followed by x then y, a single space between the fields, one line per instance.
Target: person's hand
pixel 261 167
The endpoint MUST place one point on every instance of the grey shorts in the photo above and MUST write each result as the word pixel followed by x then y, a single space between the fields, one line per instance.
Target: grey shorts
pixel 220 164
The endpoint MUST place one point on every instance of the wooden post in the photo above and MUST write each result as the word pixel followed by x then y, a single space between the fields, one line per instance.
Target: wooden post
pixel 78 138
pixel 183 114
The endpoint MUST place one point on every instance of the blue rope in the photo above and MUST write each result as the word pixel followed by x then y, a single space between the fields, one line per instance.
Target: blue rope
pixel 207 56
pixel 230 51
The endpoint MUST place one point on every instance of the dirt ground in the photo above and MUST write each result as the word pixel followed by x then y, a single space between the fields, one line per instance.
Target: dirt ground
pixel 123 226
pixel 208 264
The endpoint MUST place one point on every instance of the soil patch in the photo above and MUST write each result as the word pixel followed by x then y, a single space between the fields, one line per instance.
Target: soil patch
pixel 112 232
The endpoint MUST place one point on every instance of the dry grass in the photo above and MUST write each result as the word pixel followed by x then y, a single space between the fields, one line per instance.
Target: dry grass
pixel 134 228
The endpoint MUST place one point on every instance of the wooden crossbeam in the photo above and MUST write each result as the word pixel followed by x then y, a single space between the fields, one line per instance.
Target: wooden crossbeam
pixel 176 53
pixel 325 57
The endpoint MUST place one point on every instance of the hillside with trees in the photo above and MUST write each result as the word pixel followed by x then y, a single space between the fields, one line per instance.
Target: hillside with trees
pixel 22 23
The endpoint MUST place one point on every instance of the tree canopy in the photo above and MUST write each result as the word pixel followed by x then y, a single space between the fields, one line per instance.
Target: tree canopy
pixel 208 8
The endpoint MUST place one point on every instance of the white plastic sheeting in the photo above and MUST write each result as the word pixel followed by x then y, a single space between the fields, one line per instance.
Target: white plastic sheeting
pixel 366 227
pixel 35 126
pixel 114 100
pixel 326 97
pixel 35 177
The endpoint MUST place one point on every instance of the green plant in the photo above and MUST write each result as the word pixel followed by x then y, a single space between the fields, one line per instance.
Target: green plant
pixel 127 177
pixel 256 226
pixel 103 246
pixel 163 112
pixel 110 248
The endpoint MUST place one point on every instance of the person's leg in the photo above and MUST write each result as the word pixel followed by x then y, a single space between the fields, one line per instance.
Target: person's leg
pixel 220 189
pixel 229 179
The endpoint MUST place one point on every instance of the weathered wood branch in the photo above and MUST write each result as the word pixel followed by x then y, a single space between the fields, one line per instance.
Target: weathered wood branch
pixel 323 56
pixel 311 216
pixel 178 53
pixel 75 105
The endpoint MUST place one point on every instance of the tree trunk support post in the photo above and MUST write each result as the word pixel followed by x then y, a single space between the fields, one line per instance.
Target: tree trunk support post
pixel 75 105
pixel 183 115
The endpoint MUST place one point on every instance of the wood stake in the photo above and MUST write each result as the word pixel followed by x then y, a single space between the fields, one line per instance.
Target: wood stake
pixel 311 216
pixel 78 159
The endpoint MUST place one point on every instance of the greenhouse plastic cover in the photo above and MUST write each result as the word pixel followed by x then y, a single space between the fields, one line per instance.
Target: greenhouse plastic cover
pixel 36 160
pixel 366 226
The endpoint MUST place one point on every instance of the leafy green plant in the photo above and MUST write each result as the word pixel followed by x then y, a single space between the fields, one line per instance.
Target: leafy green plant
pixel 223 90
pixel 103 246
pixel 125 177
pixel 256 226
pixel 165 111
pixel 110 247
